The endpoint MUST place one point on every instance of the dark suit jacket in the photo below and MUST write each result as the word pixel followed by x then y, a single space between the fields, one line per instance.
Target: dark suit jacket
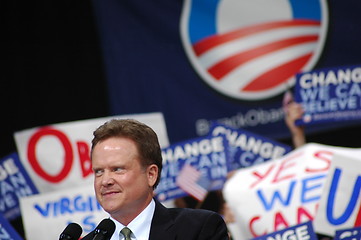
pixel 184 224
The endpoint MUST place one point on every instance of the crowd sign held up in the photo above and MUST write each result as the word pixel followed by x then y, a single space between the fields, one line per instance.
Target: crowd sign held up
pixel 329 95
pixel 303 231
pixel 57 156
pixel 348 234
pixel 14 184
pixel 46 215
pixel 193 167
pixel 341 199
pixel 280 193
pixel 7 232
pixel 247 148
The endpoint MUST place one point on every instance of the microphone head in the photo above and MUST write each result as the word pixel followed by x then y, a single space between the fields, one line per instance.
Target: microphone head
pixel 106 227
pixel 71 232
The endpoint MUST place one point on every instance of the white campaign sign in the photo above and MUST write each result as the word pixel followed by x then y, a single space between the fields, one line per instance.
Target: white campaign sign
pixel 46 215
pixel 341 200
pixel 279 193
pixel 57 156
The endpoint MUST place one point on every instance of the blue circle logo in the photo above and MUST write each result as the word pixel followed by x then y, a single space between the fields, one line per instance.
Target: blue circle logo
pixel 252 50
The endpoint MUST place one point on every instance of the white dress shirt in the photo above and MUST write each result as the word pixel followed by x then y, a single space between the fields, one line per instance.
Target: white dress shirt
pixel 140 226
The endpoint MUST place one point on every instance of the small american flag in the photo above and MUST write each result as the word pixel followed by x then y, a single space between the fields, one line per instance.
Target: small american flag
pixel 192 182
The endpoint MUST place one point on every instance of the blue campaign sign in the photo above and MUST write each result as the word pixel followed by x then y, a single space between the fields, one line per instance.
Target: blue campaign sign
pixel 14 184
pixel 348 234
pixel 247 148
pixel 329 95
pixel 303 231
pixel 7 232
pixel 199 163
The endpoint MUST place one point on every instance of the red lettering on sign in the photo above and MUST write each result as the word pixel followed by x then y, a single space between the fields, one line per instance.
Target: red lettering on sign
pixel 284 166
pixel 68 156
pixel 84 156
pixel 251 227
pixel 261 176
pixel 358 218
pixel 323 156
pixel 279 220
pixel 303 212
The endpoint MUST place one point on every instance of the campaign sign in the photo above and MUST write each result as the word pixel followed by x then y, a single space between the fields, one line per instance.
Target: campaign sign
pixel 348 234
pixel 57 156
pixel 7 232
pixel 14 184
pixel 193 167
pixel 246 148
pixel 46 215
pixel 303 231
pixel 329 95
pixel 340 202
pixel 280 193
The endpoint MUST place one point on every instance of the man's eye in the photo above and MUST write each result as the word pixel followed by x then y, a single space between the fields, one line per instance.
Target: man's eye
pixel 118 169
pixel 98 172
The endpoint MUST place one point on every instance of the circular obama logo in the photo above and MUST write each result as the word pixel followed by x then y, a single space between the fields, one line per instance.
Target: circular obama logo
pixel 252 49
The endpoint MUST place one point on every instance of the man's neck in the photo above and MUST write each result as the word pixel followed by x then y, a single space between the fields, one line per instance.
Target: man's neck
pixel 125 217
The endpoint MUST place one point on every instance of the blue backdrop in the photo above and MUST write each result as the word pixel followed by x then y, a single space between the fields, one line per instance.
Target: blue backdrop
pixel 148 69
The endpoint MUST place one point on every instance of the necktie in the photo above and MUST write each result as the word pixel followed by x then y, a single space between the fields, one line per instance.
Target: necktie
pixel 126 233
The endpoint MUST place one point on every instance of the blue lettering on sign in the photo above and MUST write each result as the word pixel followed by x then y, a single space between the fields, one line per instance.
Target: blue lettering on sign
pixel 277 195
pixel 308 186
pixel 331 199
pixel 89 223
pixel 44 212
pixel 68 206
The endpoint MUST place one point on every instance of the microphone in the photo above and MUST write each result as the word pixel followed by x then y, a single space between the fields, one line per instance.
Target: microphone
pixel 104 230
pixel 71 232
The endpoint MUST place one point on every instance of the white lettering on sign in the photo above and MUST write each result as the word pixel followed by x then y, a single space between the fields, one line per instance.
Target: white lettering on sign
pixel 340 76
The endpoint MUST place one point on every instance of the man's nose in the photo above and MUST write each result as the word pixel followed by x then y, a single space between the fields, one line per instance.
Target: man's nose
pixel 107 178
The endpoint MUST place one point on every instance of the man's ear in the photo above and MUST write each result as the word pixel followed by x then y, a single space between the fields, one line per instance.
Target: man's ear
pixel 152 172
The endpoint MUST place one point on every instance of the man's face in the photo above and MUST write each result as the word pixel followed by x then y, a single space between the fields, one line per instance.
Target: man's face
pixel 122 186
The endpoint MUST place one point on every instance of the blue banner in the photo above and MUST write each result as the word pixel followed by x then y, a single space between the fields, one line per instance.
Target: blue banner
pixel 14 184
pixel 329 95
pixel 201 161
pixel 198 61
pixel 7 232
pixel 348 234
pixel 301 231
pixel 246 148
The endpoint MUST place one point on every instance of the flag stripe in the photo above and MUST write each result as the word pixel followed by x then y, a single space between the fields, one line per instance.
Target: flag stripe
pixel 224 67
pixel 187 181
pixel 276 75
pixel 213 41
pixel 225 50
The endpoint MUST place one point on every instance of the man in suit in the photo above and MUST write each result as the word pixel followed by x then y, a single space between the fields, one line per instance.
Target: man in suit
pixel 127 163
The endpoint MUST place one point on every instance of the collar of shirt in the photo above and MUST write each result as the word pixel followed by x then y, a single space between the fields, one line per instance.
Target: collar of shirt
pixel 140 225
